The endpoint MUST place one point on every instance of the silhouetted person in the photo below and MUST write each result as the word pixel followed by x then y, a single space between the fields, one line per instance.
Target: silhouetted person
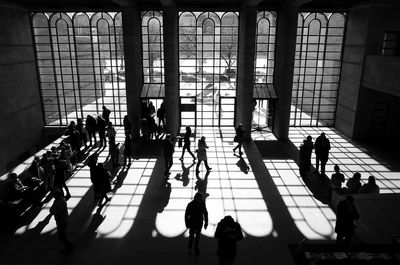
pixel 354 184
pixel 111 133
pixel 127 148
pixel 91 128
pixel 82 132
pixel 228 233
pixel 92 163
pixel 239 138
pixel 337 179
pixel 309 147
pixel 60 211
pixel 101 128
pixel 127 125
pixel 106 114
pixel 59 176
pixel 73 135
pixel 151 109
pixel 18 190
pixel 370 187
pixel 114 153
pixel 34 169
pixel 195 214
pixel 48 170
pixel 161 115
pixel 346 213
pixel 104 183
pixel 304 165
pixel 186 143
pixel 202 154
pixel 168 151
pixel 322 147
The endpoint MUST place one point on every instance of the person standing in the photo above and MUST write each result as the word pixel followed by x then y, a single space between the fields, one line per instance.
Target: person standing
pixel 195 214
pixel 168 151
pixel 309 146
pixel 104 183
pixel 186 143
pixel 127 148
pixel 60 211
pixel 346 213
pixel 161 115
pixel 127 125
pixel 228 232
pixel 91 128
pixel 202 154
pixel 106 114
pixel 101 127
pixel 322 147
pixel 111 133
pixel 239 138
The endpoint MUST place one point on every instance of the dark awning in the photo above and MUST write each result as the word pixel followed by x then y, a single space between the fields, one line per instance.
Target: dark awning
pixel 264 91
pixel 153 91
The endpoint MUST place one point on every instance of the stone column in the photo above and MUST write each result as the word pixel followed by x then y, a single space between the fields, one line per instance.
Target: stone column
pixel 171 64
pixel 244 91
pixel 284 67
pixel 131 22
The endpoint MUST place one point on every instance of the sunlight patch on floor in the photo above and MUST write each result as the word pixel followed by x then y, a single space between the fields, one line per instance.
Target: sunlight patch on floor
pixel 314 219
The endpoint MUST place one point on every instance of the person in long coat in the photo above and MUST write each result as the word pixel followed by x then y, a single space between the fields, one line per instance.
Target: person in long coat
pixel 345 215
pixel 202 154
pixel 228 233
pixel 195 214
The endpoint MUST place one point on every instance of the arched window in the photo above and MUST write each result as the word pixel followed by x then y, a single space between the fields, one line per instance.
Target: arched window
pixel 81 65
pixel 317 68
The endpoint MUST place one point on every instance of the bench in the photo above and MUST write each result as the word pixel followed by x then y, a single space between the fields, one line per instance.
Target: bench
pixel 17 207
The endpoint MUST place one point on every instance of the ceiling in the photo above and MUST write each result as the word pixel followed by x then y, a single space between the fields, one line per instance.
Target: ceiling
pixel 190 4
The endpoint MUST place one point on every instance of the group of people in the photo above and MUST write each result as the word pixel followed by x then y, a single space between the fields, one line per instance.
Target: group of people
pixel 148 126
pixel 322 146
pixel 353 184
pixel 228 232
pixel 201 151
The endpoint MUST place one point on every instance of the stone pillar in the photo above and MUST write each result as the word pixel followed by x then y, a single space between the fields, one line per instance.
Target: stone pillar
pixel 171 64
pixel 284 67
pixel 244 91
pixel 131 22
pixel 354 50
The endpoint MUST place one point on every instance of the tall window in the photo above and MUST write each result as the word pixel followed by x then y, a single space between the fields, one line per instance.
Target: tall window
pixel 80 58
pixel 208 48
pixel 265 47
pixel 153 52
pixel 317 68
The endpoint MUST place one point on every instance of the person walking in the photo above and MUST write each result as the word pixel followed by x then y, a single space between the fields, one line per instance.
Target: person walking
pixel 161 116
pixel 168 151
pixel 60 212
pixel 195 214
pixel 186 143
pixel 239 138
pixel 346 213
pixel 202 154
pixel 228 232
pixel 322 147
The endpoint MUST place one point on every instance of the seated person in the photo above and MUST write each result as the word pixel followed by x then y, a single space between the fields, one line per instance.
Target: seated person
pixel 17 188
pixel 370 187
pixel 354 183
pixel 337 179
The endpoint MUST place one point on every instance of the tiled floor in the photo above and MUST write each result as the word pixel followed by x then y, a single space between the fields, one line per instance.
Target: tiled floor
pixel 144 221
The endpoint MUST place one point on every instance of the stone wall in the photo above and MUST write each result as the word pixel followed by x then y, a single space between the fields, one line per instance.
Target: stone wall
pixel 21 121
